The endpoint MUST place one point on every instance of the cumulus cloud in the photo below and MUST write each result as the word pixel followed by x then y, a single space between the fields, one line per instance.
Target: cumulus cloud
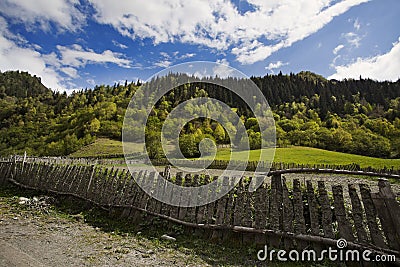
pixel 63 13
pixel 76 56
pixel 380 67
pixel 275 65
pixel 16 57
pixel 55 68
pixel 219 25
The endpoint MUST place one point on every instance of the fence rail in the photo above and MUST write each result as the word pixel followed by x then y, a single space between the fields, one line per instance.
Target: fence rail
pixel 278 213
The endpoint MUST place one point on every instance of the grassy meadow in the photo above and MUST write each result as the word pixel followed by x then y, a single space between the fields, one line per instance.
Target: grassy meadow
pixel 294 154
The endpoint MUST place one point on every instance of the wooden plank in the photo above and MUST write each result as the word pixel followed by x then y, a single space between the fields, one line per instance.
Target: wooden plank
pixel 393 207
pixel 167 192
pixel 32 177
pixel 200 215
pixel 147 183
pixel 152 184
pixel 159 192
pixel 185 199
pixel 275 203
pixel 51 177
pixel 248 207
pixel 248 214
pixel 326 211
pixel 287 211
pixel 344 227
pixel 238 209
pixel 104 180
pixel 191 211
pixel 220 211
pixel 124 179
pixel 118 184
pixel 75 179
pixel 287 208
pixel 275 215
pixel 210 207
pixel 371 216
pixel 176 196
pixel 42 177
pixel 299 222
pixel 260 206
pixel 66 180
pixel 84 183
pixel 129 193
pixel 386 209
pixel 357 212
pixel 313 209
pixel 112 191
pixel 229 211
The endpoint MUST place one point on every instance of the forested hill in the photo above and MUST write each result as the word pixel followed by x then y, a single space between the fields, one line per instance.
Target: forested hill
pixel 22 84
pixel 357 116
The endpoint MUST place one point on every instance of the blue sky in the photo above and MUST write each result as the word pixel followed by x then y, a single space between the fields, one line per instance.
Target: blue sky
pixel 75 44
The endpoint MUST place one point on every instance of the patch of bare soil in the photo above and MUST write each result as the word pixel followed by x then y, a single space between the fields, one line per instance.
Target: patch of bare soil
pixel 32 234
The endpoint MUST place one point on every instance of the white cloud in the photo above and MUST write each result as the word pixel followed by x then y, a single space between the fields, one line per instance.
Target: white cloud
pixel 357 25
pixel 163 63
pixel 117 44
pixel 337 49
pixel 63 13
pixel 187 55
pixel 217 24
pixel 169 59
pixel 15 57
pixel 77 56
pixel 272 66
pixel 353 39
pixel 91 82
pixel 381 67
pixel 71 72
pixel 56 68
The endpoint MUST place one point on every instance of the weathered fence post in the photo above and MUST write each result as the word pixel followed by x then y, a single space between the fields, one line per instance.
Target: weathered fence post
pixel 388 212
pixel 275 214
pixel 344 226
pixel 325 210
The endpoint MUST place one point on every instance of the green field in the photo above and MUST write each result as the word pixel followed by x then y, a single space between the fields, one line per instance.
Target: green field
pixel 308 155
pixel 299 155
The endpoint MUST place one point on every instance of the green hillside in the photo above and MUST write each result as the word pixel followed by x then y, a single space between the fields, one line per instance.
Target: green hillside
pixel 352 116
pixel 295 154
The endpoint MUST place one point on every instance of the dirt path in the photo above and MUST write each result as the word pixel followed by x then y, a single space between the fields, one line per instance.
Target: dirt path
pixel 32 238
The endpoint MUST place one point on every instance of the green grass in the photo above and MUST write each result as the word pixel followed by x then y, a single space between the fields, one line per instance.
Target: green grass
pixel 308 155
pixel 104 146
pixel 299 155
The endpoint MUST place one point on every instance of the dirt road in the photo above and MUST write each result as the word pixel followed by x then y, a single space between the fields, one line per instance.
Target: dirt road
pixel 31 237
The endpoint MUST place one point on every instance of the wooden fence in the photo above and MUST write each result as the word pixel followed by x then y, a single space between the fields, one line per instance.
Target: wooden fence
pixel 279 214
pixel 216 164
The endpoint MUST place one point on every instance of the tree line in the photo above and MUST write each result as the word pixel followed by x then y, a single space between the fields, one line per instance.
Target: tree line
pixel 356 116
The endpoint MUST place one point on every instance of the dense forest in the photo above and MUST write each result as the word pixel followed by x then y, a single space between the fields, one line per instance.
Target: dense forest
pixel 355 116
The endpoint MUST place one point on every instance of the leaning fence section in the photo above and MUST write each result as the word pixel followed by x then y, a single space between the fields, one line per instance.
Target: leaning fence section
pixel 280 214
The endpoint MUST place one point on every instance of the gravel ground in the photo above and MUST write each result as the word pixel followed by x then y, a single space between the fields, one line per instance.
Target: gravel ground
pixel 29 237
